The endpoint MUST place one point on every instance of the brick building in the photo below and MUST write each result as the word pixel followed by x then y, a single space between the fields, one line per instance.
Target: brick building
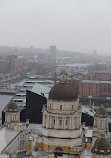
pixel 96 89
pixel 43 67
pixel 100 72
pixel 102 76
pixel 4 66
pixel 17 64
pixel 100 68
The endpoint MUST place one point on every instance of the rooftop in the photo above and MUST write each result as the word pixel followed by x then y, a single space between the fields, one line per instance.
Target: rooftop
pixel 97 82
pixel 87 111
pixel 40 89
pixel 6 136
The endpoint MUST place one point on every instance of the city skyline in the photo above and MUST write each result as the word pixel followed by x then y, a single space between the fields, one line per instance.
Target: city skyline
pixel 70 25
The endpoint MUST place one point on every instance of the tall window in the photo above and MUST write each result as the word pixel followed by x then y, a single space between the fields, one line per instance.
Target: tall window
pixel 60 107
pixel 66 122
pixel 72 106
pixel 60 122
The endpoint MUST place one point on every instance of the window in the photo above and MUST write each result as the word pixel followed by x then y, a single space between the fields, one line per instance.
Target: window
pixel 60 107
pixel 60 122
pixel 66 122
pixel 72 106
pixel 54 121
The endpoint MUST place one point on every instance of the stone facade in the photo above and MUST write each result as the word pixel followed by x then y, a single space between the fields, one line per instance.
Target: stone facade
pixel 61 126
pixel 12 117
pixel 100 123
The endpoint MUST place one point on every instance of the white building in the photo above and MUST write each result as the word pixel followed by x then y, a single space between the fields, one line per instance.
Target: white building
pixel 61 132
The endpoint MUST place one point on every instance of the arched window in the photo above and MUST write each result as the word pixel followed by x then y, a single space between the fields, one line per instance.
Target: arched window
pixel 58 152
pixel 60 107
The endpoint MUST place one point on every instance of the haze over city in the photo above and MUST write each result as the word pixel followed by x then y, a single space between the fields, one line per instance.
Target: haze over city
pixel 73 25
pixel 55 78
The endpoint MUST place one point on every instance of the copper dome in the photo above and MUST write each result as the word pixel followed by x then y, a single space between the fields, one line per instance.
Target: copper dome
pixel 12 107
pixel 101 144
pixel 63 91
pixel 101 112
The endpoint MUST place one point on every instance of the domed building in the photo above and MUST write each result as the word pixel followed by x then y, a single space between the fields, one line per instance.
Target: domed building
pixel 12 117
pixel 12 113
pixel 100 123
pixel 61 125
pixel 101 148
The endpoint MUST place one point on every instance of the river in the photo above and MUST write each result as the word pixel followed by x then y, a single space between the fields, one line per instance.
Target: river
pixel 5 99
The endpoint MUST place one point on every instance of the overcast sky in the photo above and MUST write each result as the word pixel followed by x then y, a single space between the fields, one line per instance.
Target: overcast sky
pixel 77 25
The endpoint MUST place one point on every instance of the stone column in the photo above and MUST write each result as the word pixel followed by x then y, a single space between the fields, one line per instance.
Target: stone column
pixel 12 118
pixel 57 122
pixel 62 123
pixel 50 122
pixel 43 121
pixel 46 120
pixel 70 123
pixel 76 122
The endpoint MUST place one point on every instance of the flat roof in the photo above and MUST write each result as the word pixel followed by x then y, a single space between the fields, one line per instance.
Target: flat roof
pixel 40 89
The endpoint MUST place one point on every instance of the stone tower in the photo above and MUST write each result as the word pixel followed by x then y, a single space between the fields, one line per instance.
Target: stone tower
pixel 100 123
pixel 61 132
pixel 12 114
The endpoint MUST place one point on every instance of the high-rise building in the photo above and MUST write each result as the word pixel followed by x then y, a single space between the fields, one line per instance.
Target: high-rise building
pixel 53 53
pixel 11 64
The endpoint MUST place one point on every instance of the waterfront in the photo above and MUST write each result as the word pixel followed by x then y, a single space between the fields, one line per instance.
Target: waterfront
pixel 5 99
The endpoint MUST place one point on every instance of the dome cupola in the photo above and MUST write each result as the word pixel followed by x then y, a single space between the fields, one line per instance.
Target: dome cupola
pixel 101 112
pixel 12 107
pixel 63 91
pixel 101 146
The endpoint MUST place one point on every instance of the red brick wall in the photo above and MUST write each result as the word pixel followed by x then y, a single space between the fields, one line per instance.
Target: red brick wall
pixel 95 90
pixel 102 76
pixel 87 89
